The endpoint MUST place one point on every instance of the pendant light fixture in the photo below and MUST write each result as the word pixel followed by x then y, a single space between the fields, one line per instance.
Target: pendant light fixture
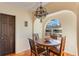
pixel 40 12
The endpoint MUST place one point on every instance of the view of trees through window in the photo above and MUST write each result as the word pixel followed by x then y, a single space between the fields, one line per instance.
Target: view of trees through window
pixel 54 27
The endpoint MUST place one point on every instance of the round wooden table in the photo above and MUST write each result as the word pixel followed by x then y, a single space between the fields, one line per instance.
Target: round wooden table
pixel 49 43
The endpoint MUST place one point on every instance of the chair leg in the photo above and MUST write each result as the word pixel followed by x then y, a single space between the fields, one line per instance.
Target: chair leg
pixel 51 54
pixel 63 54
pixel 36 54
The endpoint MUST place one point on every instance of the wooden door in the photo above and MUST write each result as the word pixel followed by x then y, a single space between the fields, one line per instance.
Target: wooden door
pixel 7 34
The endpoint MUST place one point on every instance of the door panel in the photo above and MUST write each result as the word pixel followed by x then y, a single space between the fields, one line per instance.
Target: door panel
pixel 7 34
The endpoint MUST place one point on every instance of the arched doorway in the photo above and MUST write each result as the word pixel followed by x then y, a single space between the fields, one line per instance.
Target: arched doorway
pixel 68 21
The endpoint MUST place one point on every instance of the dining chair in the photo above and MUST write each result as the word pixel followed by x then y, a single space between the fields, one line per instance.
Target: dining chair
pixel 36 36
pixel 36 50
pixel 54 36
pixel 59 51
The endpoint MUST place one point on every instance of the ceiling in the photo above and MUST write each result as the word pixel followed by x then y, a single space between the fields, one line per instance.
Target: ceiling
pixel 50 6
pixel 26 5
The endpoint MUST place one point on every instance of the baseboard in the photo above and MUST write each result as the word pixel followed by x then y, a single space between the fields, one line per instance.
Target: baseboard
pixel 22 51
pixel 67 53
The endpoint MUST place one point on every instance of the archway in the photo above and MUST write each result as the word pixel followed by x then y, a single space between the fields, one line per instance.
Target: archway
pixel 68 21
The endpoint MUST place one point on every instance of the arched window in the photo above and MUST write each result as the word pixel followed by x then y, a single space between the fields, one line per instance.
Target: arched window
pixel 54 27
pixel 54 23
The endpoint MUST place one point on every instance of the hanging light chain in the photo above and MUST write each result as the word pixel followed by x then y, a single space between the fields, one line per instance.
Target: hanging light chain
pixel 40 12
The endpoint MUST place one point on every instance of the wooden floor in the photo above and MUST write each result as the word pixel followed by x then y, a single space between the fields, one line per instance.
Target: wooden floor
pixel 28 53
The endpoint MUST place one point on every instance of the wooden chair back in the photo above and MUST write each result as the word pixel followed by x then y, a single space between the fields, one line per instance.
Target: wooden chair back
pixel 62 46
pixel 36 36
pixel 53 36
pixel 32 45
pixel 34 48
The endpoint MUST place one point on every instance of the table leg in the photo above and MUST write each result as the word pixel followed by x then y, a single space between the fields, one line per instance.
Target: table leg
pixel 47 51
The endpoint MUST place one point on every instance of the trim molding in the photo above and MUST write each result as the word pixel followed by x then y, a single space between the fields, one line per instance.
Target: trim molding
pixel 67 53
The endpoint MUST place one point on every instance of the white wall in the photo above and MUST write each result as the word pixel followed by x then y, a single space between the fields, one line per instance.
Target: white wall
pixel 69 25
pixel 22 32
pixel 38 27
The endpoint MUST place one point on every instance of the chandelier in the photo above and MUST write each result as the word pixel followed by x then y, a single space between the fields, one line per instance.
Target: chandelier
pixel 40 12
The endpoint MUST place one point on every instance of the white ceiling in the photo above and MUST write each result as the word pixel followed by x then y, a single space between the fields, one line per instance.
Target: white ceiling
pixel 26 5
